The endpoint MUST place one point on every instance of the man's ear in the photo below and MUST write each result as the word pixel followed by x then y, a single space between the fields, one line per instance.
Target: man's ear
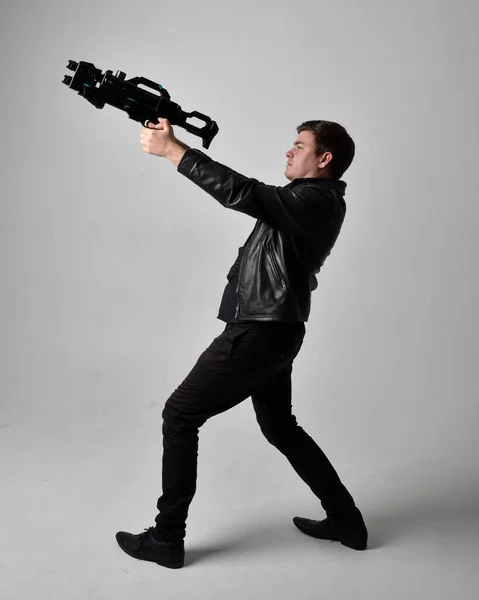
pixel 325 159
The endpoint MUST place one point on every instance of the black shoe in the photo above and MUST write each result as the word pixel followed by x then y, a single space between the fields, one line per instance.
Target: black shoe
pixel 145 546
pixel 350 530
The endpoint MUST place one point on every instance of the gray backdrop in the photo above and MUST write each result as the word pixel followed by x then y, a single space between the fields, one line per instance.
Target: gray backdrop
pixel 112 271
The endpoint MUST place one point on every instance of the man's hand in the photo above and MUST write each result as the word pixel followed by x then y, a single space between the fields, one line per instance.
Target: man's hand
pixel 159 139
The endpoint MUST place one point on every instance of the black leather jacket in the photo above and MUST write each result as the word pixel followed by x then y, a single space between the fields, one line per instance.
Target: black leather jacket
pixel 297 226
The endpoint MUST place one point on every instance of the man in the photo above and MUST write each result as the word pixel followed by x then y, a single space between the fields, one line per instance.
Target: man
pixel 265 304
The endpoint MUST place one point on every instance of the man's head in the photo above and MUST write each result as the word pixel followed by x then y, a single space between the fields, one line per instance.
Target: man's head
pixel 322 149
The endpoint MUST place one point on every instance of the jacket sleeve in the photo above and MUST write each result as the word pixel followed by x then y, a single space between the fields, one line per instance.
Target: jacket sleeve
pixel 299 210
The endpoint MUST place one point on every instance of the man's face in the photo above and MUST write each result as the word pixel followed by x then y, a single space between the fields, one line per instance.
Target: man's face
pixel 302 159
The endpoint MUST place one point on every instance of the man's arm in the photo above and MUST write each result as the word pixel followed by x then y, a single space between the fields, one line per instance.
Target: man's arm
pixel 176 152
pixel 300 210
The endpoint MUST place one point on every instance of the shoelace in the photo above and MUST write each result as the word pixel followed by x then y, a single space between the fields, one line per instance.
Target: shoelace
pixel 325 527
pixel 142 536
pixel 330 528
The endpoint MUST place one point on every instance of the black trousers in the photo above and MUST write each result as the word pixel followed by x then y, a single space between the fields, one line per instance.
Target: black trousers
pixel 246 360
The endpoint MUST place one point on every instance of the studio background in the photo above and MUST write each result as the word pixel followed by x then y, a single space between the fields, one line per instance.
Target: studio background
pixel 112 271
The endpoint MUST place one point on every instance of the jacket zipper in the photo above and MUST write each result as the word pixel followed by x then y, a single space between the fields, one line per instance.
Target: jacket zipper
pixel 241 265
pixel 275 265
pixel 237 287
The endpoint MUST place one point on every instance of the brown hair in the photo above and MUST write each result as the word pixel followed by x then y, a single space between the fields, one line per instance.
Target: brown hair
pixel 331 137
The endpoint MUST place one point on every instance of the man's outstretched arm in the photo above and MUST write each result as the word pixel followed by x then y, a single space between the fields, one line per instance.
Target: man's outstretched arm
pixel 299 211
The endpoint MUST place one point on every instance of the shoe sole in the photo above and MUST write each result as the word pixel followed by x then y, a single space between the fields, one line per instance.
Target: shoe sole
pixel 176 564
pixel 172 565
pixel 354 545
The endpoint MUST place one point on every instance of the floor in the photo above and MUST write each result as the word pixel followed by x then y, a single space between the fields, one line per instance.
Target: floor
pixel 67 495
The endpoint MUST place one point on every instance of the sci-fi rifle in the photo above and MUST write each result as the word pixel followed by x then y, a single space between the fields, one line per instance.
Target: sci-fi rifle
pixel 140 105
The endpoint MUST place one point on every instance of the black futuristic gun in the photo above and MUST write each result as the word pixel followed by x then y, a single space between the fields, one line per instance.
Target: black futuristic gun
pixel 141 105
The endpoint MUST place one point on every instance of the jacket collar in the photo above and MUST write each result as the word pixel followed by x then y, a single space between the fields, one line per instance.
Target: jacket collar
pixel 335 184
